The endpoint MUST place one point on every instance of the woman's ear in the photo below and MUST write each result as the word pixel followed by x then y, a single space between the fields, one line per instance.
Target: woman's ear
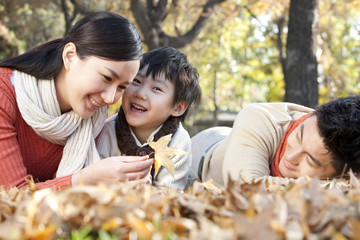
pixel 69 55
pixel 179 109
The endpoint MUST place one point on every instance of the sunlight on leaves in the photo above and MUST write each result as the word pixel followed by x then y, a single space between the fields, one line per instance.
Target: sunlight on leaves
pixel 265 209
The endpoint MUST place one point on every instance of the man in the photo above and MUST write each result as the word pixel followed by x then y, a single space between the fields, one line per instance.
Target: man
pixel 281 140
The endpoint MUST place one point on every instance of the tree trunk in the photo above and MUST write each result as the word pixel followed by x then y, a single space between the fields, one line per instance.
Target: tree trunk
pixel 300 71
pixel 216 107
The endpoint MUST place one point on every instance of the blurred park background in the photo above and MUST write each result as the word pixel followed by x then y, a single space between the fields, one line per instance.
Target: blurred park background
pixel 301 51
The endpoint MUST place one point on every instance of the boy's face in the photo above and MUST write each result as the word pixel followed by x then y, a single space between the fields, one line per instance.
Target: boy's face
pixel 148 102
pixel 305 153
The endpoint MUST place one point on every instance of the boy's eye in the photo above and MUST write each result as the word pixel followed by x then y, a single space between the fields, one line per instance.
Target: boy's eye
pixel 157 89
pixel 136 81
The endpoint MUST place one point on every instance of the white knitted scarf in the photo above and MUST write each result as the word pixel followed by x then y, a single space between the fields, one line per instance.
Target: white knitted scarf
pixel 40 109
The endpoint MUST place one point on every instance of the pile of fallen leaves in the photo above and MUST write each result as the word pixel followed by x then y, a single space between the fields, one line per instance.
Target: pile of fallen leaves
pixel 307 209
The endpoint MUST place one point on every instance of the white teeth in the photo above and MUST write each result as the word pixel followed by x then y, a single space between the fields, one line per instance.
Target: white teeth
pixel 138 108
pixel 93 102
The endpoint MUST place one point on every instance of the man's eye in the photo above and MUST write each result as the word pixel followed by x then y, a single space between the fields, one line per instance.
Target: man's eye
pixel 298 139
pixel 309 163
pixel 122 87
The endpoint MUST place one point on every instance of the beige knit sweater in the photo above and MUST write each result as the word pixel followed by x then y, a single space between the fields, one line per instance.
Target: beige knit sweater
pixel 251 146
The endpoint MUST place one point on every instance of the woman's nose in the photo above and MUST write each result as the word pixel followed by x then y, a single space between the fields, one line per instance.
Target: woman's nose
pixel 110 95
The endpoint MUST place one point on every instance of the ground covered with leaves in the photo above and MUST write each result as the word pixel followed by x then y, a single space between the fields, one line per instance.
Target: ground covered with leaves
pixel 307 209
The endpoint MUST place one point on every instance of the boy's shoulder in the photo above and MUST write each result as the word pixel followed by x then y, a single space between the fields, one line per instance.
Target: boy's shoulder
pixel 181 135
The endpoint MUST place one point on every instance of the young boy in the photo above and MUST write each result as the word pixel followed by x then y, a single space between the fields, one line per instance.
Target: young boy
pixel 153 106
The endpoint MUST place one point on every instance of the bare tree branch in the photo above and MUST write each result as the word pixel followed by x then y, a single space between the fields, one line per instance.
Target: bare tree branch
pixel 69 17
pixel 149 20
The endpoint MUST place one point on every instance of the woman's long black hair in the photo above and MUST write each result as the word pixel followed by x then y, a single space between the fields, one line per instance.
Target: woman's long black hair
pixel 102 34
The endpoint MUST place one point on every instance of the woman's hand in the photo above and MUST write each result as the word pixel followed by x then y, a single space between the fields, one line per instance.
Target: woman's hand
pixel 120 168
pixel 147 179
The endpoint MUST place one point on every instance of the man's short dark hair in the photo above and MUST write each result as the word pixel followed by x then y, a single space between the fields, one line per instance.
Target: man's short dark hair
pixel 339 126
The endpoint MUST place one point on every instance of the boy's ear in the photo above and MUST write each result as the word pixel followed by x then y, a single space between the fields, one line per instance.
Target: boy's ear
pixel 179 109
pixel 69 55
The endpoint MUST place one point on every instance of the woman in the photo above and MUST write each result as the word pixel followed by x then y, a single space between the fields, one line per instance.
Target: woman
pixel 53 104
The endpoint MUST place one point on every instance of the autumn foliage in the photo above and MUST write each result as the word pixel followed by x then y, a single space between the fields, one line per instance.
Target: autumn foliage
pixel 306 209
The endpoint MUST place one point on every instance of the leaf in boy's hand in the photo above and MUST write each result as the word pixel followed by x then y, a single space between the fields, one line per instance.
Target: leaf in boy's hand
pixel 163 154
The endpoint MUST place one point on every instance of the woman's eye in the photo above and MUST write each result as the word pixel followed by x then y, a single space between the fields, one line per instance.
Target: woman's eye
pixel 108 79
pixel 122 87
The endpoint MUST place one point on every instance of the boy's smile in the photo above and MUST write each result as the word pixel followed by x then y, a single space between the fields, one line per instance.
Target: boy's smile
pixel 137 107
pixel 148 103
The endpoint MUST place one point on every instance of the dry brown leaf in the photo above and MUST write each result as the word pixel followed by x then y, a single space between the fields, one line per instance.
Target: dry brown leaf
pixel 143 228
pixel 163 154
pixel 301 210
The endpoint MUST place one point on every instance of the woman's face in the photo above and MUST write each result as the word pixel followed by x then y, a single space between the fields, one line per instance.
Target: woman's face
pixel 88 84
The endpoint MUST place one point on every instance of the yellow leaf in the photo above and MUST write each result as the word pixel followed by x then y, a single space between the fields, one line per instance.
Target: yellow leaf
pixel 111 224
pixel 163 154
pixel 44 234
pixel 143 228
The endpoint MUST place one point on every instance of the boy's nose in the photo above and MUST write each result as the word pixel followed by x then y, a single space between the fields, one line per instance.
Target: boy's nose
pixel 141 94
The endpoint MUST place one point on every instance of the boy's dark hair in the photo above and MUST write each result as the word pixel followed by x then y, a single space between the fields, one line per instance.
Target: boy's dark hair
pixel 339 126
pixel 178 70
pixel 102 34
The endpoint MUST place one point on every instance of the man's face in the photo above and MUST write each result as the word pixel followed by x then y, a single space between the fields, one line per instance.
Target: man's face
pixel 305 153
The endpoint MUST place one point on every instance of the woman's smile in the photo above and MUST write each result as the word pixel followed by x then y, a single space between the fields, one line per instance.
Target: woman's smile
pixel 94 103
